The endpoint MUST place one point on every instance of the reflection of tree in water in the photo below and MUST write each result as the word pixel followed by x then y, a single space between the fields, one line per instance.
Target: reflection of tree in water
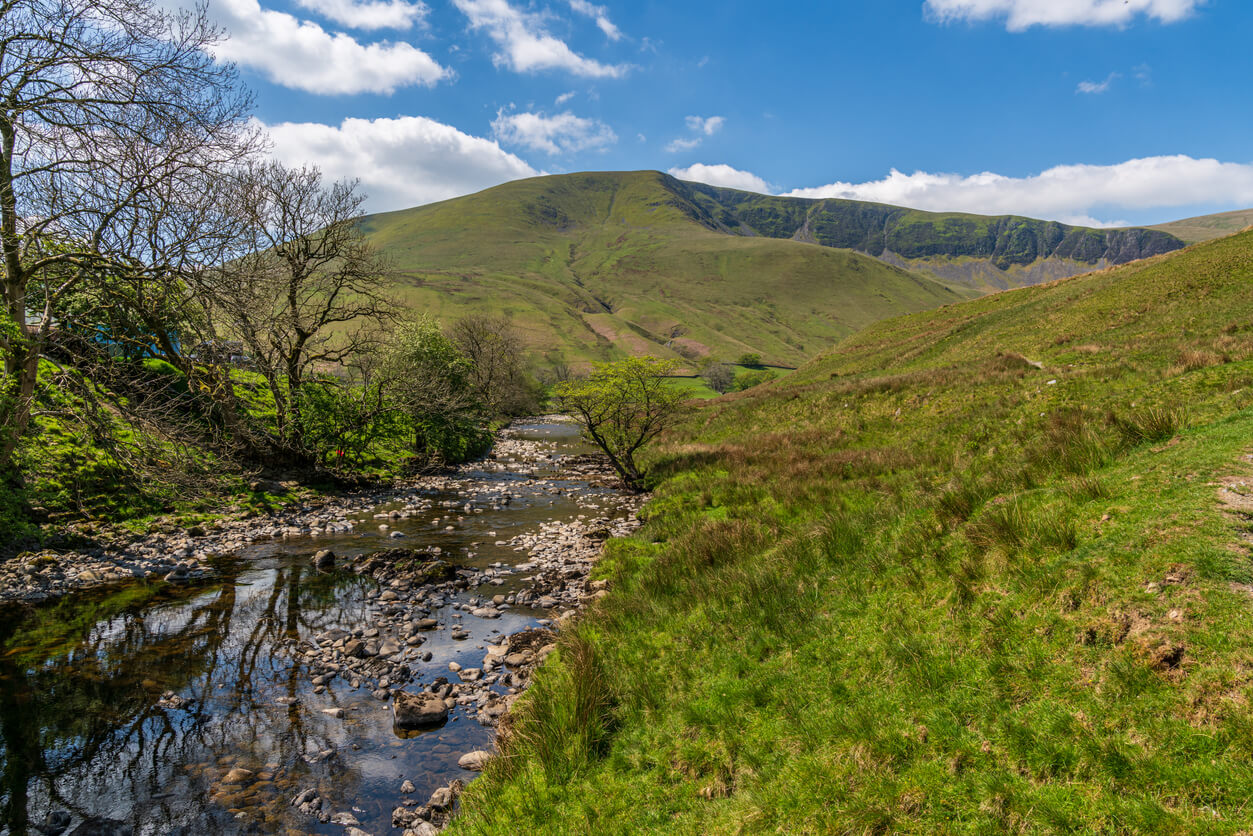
pixel 84 728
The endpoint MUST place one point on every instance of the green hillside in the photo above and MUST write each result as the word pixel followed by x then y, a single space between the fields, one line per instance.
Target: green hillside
pixel 981 569
pixel 597 265
pixel 1208 227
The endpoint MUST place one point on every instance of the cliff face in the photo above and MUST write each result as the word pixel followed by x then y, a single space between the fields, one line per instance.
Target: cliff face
pixel 875 228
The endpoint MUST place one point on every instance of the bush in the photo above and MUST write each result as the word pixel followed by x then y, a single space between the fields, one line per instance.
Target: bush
pixel 748 380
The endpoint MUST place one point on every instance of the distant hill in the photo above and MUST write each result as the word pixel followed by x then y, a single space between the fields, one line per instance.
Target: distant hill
pixel 1208 227
pixel 597 265
pixel 594 266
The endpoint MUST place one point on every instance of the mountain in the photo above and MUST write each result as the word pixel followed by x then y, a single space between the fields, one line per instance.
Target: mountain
pixel 1208 227
pixel 980 569
pixel 595 265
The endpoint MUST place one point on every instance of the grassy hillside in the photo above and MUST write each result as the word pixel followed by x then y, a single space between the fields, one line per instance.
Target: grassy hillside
pixel 1208 227
pixel 980 569
pixel 593 266
pixel 598 265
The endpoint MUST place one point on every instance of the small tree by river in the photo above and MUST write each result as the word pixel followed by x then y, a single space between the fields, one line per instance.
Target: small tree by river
pixel 622 406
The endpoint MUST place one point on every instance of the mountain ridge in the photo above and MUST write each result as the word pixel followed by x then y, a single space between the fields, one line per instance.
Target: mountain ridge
pixel 595 265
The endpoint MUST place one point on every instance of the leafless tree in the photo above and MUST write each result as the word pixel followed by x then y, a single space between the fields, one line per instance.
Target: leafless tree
pixel 497 352
pixel 101 103
pixel 307 292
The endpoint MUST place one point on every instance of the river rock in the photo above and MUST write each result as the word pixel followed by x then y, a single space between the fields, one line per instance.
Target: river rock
pixel 238 775
pixel 418 711
pixel 474 761
pixel 422 828
pixel 407 788
pixel 55 823
pixel 325 559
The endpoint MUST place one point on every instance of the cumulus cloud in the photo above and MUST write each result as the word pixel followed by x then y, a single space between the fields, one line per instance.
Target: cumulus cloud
pixel 599 14
pixel 700 127
pixel 1097 87
pixel 562 133
pixel 304 56
pixel 525 45
pixel 1072 193
pixel 400 162
pixel 1023 14
pixel 369 14
pixel 722 175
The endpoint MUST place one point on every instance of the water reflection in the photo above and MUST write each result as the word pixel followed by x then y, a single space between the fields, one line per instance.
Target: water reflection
pixel 136 705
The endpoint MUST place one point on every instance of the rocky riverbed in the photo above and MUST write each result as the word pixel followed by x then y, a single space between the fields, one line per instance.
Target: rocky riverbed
pixel 334 674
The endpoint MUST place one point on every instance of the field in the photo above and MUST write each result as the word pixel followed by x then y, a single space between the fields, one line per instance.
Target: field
pixel 980 569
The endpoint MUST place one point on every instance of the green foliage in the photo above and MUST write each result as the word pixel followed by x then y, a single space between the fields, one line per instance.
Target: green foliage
pixel 623 406
pixel 347 425
pixel 431 386
pixel 747 380
pixel 926 584
pixel 749 359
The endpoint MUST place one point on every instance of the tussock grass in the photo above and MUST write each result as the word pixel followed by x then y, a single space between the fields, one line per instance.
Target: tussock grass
pixel 923 587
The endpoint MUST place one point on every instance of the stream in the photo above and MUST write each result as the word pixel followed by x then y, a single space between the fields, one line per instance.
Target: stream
pixel 135 708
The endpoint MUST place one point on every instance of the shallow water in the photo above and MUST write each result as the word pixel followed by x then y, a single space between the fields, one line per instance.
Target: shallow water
pixel 84 728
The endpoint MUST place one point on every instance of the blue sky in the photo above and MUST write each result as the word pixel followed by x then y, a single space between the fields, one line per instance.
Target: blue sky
pixel 1098 111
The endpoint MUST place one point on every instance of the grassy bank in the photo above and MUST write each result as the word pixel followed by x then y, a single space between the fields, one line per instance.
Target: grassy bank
pixel 972 571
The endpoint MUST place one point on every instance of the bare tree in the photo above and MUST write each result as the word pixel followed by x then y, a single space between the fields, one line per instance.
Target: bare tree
pixel 718 377
pixel 101 102
pixel 497 352
pixel 306 294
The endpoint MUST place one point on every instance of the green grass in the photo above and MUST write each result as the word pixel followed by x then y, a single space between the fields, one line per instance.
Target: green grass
pixel 1209 227
pixel 968 572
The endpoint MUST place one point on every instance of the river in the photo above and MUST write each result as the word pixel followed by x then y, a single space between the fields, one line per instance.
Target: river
pixel 127 708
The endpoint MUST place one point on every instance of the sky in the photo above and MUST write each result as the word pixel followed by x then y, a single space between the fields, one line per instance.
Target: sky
pixel 1101 112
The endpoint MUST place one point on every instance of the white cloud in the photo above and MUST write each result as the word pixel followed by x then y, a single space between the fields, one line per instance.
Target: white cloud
pixel 701 127
pixel 525 45
pixel 400 162
pixel 1097 87
pixel 304 56
pixel 1023 14
pixel 369 14
pixel 1071 193
pixel 676 145
pixel 599 14
pixel 564 97
pixel 722 175
pixel 563 133
pixel 707 126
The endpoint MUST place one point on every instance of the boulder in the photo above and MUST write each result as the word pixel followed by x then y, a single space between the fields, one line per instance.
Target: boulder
pixel 325 559
pixel 418 711
pixel 474 761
